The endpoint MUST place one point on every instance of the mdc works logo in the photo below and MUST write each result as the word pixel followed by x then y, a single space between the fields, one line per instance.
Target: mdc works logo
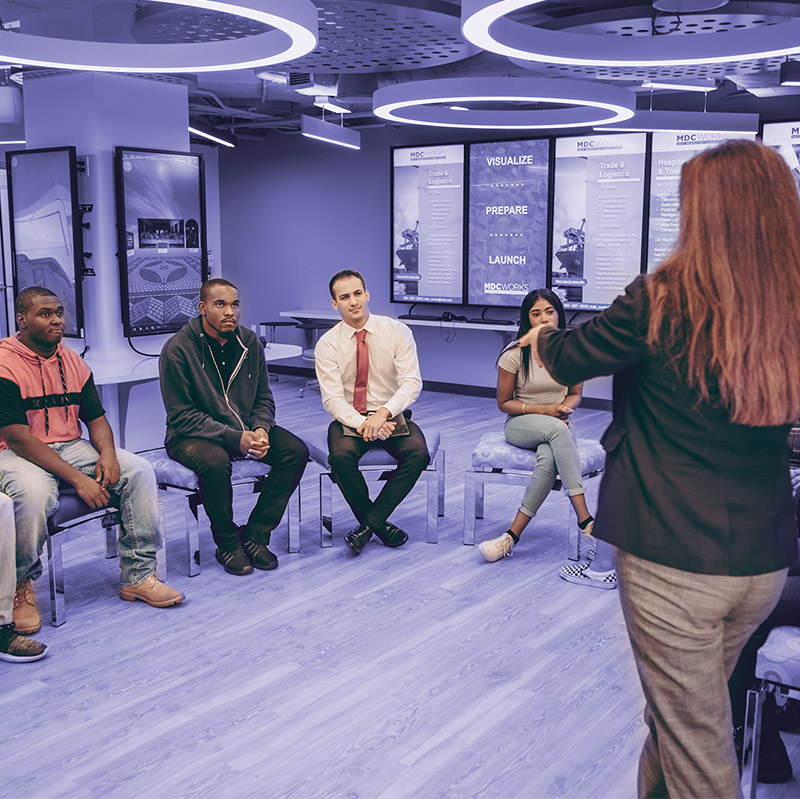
pixel 427 155
pixel 506 288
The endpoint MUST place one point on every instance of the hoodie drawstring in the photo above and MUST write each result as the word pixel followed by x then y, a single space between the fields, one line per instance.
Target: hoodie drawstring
pixel 44 390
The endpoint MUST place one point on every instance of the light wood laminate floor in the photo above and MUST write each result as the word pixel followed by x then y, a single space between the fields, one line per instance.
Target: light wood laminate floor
pixel 417 672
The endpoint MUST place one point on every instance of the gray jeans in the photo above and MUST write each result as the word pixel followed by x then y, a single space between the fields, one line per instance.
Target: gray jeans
pixel 687 631
pixel 556 454
pixel 34 492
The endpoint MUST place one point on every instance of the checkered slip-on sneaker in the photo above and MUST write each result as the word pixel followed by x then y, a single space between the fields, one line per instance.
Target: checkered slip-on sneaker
pixel 582 574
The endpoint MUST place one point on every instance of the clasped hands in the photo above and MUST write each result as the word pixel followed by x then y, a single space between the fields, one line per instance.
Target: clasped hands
pixel 94 490
pixel 254 444
pixel 376 426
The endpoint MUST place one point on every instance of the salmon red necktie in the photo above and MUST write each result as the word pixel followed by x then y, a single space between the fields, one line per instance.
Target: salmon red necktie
pixel 362 372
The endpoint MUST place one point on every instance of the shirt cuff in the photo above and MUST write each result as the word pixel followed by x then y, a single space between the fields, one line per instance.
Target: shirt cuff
pixel 352 418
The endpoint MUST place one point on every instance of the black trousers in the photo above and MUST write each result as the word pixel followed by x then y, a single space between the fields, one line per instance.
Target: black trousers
pixel 211 462
pixel 344 453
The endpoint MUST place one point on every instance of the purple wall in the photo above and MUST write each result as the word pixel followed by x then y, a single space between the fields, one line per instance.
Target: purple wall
pixel 295 211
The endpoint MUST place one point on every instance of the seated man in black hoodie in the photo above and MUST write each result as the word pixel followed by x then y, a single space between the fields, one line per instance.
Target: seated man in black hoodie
pixel 220 407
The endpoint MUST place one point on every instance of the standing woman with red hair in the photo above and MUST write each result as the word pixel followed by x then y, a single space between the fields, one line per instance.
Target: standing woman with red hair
pixel 696 493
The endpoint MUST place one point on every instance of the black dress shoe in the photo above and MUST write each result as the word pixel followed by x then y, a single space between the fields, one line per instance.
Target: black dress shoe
pixel 357 539
pixel 391 535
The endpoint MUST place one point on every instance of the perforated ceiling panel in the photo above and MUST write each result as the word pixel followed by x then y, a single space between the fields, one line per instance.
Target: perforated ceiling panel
pixel 354 35
pixel 163 24
pixel 358 36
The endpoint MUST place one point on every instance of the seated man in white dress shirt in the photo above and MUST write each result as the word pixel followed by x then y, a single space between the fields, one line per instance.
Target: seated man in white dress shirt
pixel 368 376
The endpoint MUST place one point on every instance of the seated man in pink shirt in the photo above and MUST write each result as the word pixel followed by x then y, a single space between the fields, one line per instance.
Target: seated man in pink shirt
pixel 46 391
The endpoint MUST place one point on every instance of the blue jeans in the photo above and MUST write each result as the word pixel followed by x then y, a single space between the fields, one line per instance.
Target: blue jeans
pixel 556 454
pixel 8 572
pixel 34 492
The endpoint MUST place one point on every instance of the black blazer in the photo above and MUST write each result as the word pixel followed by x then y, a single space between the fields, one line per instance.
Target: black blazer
pixel 683 485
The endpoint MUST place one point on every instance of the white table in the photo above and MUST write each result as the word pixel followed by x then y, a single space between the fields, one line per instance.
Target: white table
pixel 115 379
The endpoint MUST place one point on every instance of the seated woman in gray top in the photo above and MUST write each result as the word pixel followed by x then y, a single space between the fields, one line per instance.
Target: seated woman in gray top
pixel 538 411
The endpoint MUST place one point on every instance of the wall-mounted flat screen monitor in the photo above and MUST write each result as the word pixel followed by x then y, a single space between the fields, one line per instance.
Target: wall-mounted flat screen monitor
pixel 162 238
pixel 597 218
pixel 508 185
pixel 670 150
pixel 785 138
pixel 46 240
pixel 428 224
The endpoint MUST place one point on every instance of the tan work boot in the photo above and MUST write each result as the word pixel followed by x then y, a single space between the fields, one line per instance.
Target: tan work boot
pixel 152 591
pixel 26 615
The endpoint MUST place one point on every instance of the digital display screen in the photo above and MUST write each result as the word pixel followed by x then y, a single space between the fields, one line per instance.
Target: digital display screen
pixel 508 185
pixel 671 150
pixel 785 138
pixel 597 218
pixel 42 199
pixel 161 222
pixel 428 224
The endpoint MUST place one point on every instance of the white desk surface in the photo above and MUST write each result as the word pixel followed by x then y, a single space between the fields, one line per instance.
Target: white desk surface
pixel 134 368
pixel 510 330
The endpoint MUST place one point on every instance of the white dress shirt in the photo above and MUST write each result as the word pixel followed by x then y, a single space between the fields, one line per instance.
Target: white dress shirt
pixel 394 380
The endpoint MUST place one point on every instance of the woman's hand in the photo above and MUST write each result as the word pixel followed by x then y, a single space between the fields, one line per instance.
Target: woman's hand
pixel 531 339
pixel 563 411
pixel 556 409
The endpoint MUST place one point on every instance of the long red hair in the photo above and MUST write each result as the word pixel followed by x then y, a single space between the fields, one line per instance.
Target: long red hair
pixel 725 304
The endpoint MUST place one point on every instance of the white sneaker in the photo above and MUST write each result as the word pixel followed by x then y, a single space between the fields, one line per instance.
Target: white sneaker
pixel 496 548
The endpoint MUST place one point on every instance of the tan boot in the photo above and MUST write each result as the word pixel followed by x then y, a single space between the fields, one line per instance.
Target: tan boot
pixel 26 615
pixel 152 591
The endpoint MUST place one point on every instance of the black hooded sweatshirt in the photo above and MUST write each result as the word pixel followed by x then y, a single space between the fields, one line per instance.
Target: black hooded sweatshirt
pixel 198 403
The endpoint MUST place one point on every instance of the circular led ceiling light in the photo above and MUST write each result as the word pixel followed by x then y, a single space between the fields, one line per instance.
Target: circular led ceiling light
pixel 485 23
pixel 687 6
pixel 430 102
pixel 293 33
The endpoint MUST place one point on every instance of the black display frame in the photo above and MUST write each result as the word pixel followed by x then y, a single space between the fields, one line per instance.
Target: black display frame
pixel 76 229
pixel 550 139
pixel 122 252
pixel 553 139
pixel 598 307
pixel 464 208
